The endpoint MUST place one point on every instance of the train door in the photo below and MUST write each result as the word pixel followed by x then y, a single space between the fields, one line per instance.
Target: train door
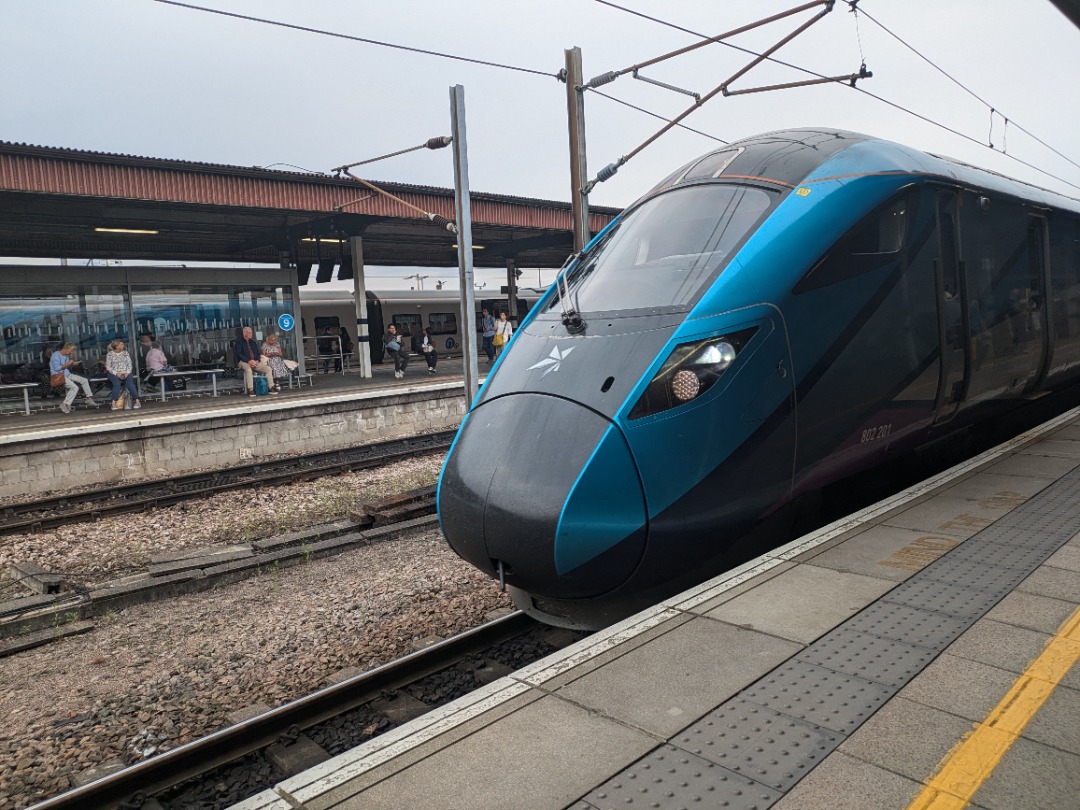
pixel 1038 295
pixel 952 311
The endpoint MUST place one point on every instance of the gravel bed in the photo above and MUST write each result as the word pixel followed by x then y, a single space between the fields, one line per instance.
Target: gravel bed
pixel 96 552
pixel 154 676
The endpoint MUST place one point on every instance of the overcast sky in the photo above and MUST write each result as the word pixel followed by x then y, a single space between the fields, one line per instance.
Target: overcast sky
pixel 142 77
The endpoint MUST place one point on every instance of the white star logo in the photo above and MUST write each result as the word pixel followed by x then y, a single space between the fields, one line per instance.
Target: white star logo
pixel 552 361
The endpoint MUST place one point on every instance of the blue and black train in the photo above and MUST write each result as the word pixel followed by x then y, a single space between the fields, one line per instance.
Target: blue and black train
pixel 776 316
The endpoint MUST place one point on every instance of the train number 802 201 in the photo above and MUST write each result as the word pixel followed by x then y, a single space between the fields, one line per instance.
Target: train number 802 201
pixel 875 433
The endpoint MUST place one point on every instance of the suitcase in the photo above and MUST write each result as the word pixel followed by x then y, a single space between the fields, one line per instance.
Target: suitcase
pixel 262 387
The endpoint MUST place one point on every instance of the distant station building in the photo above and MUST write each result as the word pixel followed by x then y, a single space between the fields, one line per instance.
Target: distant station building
pixel 231 245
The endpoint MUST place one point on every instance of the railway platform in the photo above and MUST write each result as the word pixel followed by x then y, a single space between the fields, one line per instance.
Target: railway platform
pixel 921 653
pixel 193 430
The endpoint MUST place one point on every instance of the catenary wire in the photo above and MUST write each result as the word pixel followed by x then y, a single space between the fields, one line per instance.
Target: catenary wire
pixel 966 89
pixel 352 38
pixel 875 96
pixel 657 115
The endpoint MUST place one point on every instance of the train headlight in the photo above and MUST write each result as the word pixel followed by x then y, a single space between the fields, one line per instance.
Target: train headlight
pixel 690 370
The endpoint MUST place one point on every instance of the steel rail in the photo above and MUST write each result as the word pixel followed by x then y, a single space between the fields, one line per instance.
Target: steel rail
pixel 131 786
pixel 138 497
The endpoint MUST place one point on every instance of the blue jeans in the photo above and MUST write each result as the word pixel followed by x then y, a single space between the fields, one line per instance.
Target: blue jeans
pixel 128 382
pixel 489 347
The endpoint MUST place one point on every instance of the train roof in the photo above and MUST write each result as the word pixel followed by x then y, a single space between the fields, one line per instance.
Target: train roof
pixel 792 156
pixel 410 295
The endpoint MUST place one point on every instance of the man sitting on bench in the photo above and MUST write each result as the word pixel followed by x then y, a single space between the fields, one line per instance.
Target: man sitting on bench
pixel 247 359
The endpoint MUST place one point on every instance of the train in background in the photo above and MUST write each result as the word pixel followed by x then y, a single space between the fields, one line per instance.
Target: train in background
pixel 771 320
pixel 409 310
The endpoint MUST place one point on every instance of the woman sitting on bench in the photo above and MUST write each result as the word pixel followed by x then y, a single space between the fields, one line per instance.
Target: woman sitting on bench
pixel 157 361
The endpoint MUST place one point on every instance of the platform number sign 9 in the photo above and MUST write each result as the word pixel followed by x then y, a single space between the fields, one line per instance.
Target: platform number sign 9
pixel 286 322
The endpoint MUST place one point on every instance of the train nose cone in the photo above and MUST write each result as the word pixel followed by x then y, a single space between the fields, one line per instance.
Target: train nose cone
pixel 550 489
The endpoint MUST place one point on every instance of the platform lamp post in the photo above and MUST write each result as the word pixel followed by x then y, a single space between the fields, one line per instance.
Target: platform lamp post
pixel 356 246
pixel 470 363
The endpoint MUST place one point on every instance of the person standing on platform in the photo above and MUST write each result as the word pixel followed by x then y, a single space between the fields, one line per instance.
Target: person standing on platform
pixel 346 348
pixel 118 368
pixel 61 363
pixel 504 330
pixel 248 360
pixel 328 348
pixel 423 345
pixel 392 344
pixel 487 324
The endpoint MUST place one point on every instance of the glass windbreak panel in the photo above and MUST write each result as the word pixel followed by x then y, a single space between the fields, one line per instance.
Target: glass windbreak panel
pixel 663 253
pixel 35 323
pixel 197 326
pixel 443 323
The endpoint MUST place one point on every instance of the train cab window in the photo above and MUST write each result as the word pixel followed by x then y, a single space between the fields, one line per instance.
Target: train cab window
pixel 875 241
pixel 663 253
pixel 408 324
pixel 443 323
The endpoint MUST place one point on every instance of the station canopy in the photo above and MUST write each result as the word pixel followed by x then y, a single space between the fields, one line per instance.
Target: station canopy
pixel 70 204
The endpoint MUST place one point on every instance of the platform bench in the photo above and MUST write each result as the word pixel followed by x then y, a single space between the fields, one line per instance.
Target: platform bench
pixel 300 379
pixel 212 372
pixel 25 392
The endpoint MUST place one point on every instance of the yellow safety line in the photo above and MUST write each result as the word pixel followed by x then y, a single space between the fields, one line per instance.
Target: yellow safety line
pixel 973 758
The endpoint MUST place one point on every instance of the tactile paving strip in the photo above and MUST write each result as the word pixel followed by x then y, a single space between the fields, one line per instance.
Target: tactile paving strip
pixel 883 660
pixel 950 598
pixel 671 778
pixel 910 625
pixel 759 743
pixel 833 700
pixel 779 727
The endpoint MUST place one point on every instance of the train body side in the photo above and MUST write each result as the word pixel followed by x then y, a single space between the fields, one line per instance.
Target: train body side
pixel 408 310
pixel 887 300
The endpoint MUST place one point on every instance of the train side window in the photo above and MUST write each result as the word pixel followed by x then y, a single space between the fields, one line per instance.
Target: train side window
pixel 872 243
pixel 408 324
pixel 443 323
pixel 324 321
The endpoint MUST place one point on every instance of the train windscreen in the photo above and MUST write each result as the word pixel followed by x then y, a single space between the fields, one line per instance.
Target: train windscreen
pixel 664 252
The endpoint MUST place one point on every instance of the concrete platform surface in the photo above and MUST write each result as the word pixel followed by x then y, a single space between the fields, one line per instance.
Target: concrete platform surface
pixel 919 654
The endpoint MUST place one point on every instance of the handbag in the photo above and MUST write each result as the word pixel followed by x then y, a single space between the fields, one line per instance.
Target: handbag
pixel 393 346
pixel 264 359
pixel 291 365
pixel 57 379
pixel 500 339
pixel 121 401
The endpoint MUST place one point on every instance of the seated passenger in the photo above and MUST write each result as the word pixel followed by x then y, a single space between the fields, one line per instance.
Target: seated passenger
pixel 271 350
pixel 423 345
pixel 392 344
pixel 118 368
pixel 248 359
pixel 156 361
pixel 61 363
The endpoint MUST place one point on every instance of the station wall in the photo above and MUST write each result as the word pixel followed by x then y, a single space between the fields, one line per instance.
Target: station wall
pixel 48 462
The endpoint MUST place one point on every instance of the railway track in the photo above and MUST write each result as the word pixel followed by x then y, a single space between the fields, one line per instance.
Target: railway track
pixel 174 778
pixel 56 608
pixel 35 515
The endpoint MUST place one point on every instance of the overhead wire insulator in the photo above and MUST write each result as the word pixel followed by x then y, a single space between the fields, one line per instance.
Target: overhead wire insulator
pixel 439 142
pixel 604 174
pixel 602 79
pixel 443 222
